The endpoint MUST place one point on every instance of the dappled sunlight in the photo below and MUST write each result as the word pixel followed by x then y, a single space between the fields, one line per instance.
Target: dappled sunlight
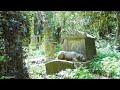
pixel 59 45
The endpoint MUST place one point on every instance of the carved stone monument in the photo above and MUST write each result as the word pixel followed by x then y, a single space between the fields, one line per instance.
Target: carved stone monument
pixel 49 49
pixel 79 42
pixel 78 48
pixel 55 66
pixel 49 43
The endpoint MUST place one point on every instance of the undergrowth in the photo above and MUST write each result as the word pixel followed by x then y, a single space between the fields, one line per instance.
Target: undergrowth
pixel 107 62
pixel 78 73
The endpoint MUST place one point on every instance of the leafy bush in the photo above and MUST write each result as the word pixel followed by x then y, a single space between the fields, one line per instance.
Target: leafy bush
pixel 111 67
pixel 36 71
pixel 36 53
pixel 57 49
pixel 107 63
pixel 3 77
pixel 2 58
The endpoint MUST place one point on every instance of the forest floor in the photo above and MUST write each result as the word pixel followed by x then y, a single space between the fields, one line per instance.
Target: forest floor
pixel 105 64
pixel 34 64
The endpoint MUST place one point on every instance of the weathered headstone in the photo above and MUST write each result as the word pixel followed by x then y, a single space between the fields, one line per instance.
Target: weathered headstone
pixel 55 66
pixel 79 42
pixel 49 48
pixel 49 43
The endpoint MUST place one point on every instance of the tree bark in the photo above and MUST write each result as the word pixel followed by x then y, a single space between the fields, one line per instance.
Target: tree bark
pixel 118 26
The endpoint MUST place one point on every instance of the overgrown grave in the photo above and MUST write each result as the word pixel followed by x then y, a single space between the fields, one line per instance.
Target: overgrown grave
pixel 77 44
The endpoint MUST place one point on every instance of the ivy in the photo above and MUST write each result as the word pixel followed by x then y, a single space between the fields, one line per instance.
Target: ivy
pixel 16 30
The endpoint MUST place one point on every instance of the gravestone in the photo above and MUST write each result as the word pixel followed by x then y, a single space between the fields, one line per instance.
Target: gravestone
pixel 49 48
pixel 49 43
pixel 79 42
pixel 55 66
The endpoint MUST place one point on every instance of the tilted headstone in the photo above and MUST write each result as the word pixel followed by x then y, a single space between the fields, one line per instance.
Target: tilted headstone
pixel 79 42
pixel 55 66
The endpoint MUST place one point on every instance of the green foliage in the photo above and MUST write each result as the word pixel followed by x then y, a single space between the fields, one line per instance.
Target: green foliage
pixel 36 53
pixel 17 20
pixel 38 23
pixel 88 21
pixel 27 15
pixel 111 67
pixel 37 72
pixel 57 49
pixel 3 77
pixel 16 26
pixel 78 73
pixel 107 63
pixel 2 59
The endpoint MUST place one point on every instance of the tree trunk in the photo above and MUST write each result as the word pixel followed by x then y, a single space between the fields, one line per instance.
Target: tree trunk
pixel 118 26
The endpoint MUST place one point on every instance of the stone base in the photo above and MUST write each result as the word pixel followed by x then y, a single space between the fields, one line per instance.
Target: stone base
pixel 56 66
